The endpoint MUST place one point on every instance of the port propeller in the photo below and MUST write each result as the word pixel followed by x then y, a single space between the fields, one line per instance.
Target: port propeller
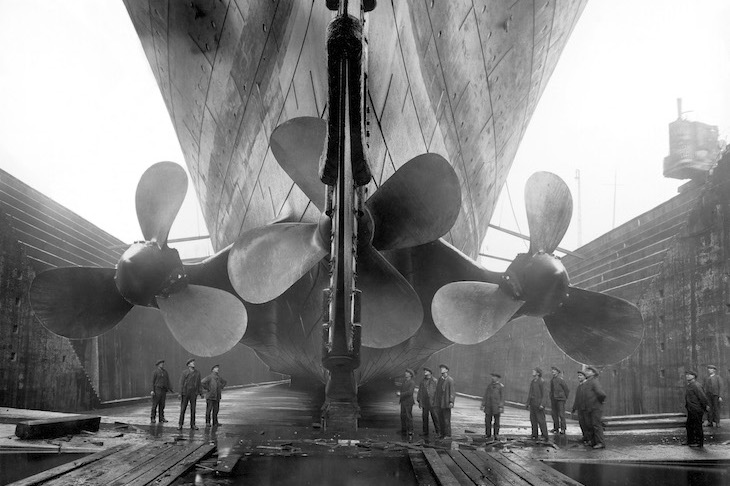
pixel 84 302
pixel 588 326
pixel 416 205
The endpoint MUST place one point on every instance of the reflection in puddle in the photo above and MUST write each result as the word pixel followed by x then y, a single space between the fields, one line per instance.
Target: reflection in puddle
pixel 675 474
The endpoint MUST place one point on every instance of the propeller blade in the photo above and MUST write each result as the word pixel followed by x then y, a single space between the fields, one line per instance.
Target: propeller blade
pixel 266 261
pixel 297 145
pixel 596 328
pixel 391 309
pixel 205 321
pixel 416 205
pixel 549 208
pixel 471 312
pixel 160 193
pixel 77 302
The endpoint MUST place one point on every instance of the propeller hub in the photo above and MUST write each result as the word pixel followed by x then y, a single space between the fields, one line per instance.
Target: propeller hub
pixel 540 280
pixel 145 270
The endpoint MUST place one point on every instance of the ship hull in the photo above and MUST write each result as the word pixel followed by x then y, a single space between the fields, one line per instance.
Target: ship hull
pixel 454 78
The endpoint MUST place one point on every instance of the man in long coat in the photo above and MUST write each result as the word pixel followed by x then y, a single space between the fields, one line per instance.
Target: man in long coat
pixel 445 396
pixel 581 410
pixel 406 404
pixel 696 403
pixel 493 405
pixel 713 391
pixel 594 398
pixel 189 391
pixel 212 386
pixel 160 387
pixel 426 399
pixel 537 401
pixel 559 393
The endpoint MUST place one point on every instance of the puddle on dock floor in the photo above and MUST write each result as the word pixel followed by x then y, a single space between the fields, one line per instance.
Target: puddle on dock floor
pixel 318 469
pixel 674 474
pixel 20 465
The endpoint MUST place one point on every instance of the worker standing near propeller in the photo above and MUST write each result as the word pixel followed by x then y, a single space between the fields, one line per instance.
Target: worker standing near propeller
pixel 160 387
pixel 445 396
pixel 594 398
pixel 493 405
pixel 559 393
pixel 537 400
pixel 189 391
pixel 406 404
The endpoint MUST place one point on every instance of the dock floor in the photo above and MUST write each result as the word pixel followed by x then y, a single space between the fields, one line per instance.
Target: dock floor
pixel 271 434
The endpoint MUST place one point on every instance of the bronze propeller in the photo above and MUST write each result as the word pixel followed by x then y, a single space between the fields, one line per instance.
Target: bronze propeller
pixel 417 204
pixel 83 302
pixel 588 326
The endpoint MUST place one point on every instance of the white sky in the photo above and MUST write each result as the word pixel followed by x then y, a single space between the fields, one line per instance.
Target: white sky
pixel 81 116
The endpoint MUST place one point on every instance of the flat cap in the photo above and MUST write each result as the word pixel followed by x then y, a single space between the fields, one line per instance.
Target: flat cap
pixel 214 367
pixel 444 366
pixel 711 367
pixel 595 371
pixel 159 361
pixel 539 371
pixel 496 374
pixel 556 369
pixel 690 372
pixel 427 369
pixel 190 361
pixel 581 372
pixel 410 371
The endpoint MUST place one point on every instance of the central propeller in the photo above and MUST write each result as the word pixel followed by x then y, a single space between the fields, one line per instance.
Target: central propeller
pixel 84 302
pixel 588 326
pixel 417 204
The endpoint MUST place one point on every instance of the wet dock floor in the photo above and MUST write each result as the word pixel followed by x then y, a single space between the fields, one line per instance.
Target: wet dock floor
pixel 275 431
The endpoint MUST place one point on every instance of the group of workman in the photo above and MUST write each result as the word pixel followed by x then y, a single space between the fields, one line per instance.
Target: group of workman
pixel 191 386
pixel 436 399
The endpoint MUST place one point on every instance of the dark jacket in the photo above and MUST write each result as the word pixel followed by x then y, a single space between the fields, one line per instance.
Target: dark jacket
pixel 579 404
pixel 713 386
pixel 406 392
pixel 427 392
pixel 538 395
pixel 161 380
pixel 190 382
pixel 493 399
pixel 212 386
pixel 445 392
pixel 559 390
pixel 694 398
pixel 594 394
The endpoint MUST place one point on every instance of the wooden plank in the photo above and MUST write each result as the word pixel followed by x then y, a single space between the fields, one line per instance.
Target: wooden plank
pixel 460 475
pixel 153 468
pixel 444 476
pixel 526 474
pixel 182 467
pixel 106 469
pixel 64 468
pixel 420 469
pixel 227 464
pixel 486 467
pixel 552 476
pixel 474 474
pixel 56 427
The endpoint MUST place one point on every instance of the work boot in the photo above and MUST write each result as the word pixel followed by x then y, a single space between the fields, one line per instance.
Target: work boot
pixel 194 427
pixel 599 446
pixel 163 420
pixel 152 421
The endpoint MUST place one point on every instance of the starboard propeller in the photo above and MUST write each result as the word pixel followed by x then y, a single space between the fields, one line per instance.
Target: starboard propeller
pixel 417 204
pixel 84 302
pixel 588 326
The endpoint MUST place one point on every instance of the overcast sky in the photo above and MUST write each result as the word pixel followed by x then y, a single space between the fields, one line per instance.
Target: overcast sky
pixel 81 116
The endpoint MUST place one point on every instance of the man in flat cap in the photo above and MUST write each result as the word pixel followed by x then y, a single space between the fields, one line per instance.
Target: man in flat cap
pixel 445 396
pixel 594 398
pixel 581 410
pixel 160 387
pixel 537 401
pixel 426 400
pixel 189 391
pixel 559 393
pixel 696 403
pixel 406 404
pixel 493 405
pixel 713 390
pixel 212 386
